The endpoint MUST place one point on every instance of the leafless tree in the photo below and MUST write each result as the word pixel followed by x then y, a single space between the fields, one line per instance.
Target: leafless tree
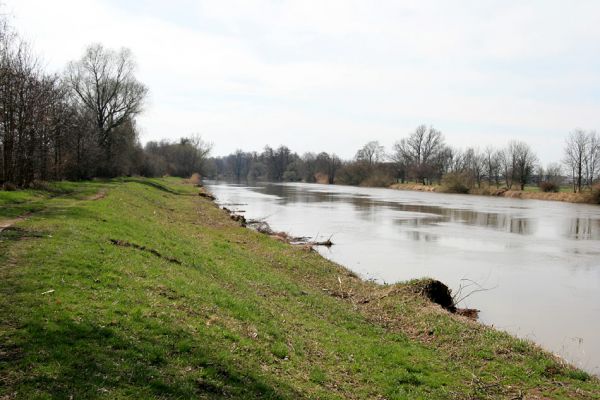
pixel 592 158
pixel 328 164
pixel 371 153
pixel 492 165
pixel 553 173
pixel 576 150
pixel 105 84
pixel 524 161
pixel 518 163
pixel 420 152
pixel 475 164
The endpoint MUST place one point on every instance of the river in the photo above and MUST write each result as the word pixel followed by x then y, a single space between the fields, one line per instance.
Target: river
pixel 538 261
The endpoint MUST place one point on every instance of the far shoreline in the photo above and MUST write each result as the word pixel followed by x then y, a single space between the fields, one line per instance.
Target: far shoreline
pixel 566 197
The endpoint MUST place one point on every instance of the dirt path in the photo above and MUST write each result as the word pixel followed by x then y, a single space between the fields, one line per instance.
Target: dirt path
pixel 7 223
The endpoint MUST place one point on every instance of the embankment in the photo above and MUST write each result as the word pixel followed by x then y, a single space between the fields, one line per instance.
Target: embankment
pixel 151 291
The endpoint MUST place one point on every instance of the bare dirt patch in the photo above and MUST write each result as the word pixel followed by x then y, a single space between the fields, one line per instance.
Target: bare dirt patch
pixel 8 223
pixel 100 195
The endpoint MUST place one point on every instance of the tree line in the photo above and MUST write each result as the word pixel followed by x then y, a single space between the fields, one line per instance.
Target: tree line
pixel 423 157
pixel 80 123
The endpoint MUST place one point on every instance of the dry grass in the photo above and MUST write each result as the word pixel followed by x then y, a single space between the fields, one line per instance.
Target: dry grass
pixel 419 187
pixel 569 197
pixel 561 196
pixel 195 179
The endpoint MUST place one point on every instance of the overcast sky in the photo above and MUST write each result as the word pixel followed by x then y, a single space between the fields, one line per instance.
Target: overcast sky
pixel 332 75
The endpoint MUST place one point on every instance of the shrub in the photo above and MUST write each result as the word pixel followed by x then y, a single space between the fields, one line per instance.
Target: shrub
pixel 378 179
pixel 352 174
pixel 595 195
pixel 40 185
pixel 455 182
pixel 549 187
pixel 196 179
pixel 9 186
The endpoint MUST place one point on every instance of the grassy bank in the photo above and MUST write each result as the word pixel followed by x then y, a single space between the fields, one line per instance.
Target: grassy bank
pixel 143 289
pixel 530 192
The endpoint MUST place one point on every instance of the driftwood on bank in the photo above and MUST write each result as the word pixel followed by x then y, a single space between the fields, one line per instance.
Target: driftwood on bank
pixel 264 228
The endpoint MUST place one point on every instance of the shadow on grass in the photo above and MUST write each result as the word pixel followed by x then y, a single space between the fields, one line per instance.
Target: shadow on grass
pixel 158 186
pixel 67 358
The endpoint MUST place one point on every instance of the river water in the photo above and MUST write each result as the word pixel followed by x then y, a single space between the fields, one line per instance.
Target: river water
pixel 539 261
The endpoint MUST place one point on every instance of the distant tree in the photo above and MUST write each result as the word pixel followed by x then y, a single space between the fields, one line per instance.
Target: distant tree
pixel 576 148
pixel 329 165
pixel 421 153
pixel 592 158
pixel 507 165
pixel 553 173
pixel 371 153
pixel 309 167
pixel 276 162
pixel 179 158
pixel 522 160
pixel 492 159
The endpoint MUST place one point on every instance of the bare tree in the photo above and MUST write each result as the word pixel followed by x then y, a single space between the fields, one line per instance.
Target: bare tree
pixel 523 160
pixel 371 153
pixel 104 83
pixel 592 157
pixel 575 156
pixel 492 165
pixel 553 174
pixel 420 153
pixel 475 163
pixel 507 166
pixel 518 163
pixel 329 164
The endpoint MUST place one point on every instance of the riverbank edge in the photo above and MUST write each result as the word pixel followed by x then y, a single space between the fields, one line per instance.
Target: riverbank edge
pixel 577 198
pixel 418 286
pixel 495 363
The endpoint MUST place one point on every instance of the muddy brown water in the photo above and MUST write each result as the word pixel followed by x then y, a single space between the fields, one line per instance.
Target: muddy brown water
pixel 538 260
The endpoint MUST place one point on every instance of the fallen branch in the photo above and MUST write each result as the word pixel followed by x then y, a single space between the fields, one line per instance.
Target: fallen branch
pixel 459 297
pixel 264 228
pixel 124 243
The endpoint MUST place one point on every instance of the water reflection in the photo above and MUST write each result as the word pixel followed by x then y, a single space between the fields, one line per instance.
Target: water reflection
pixel 411 214
pixel 422 236
pixel 584 229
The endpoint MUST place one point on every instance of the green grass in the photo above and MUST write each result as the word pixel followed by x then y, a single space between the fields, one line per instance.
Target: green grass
pixel 240 316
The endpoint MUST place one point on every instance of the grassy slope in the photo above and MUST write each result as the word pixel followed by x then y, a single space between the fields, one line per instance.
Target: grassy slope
pixel 242 316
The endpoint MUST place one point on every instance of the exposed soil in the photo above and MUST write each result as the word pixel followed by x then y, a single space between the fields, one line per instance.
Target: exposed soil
pixel 7 223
